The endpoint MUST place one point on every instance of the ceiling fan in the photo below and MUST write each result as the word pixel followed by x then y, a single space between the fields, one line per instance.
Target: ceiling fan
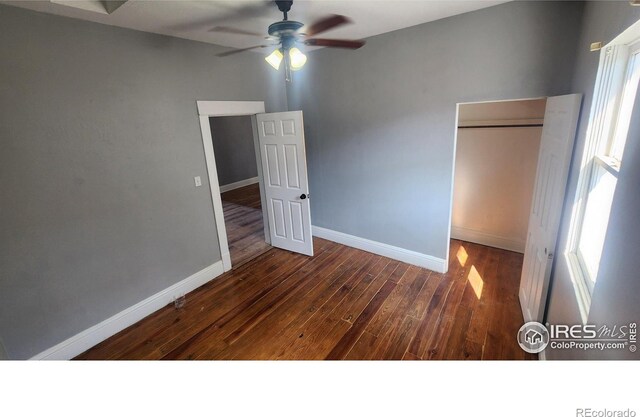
pixel 287 35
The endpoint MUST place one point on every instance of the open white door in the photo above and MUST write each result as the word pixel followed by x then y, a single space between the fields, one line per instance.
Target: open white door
pixel 558 135
pixel 286 189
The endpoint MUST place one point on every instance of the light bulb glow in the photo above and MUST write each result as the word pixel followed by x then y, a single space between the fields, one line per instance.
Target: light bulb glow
pixel 297 58
pixel 274 59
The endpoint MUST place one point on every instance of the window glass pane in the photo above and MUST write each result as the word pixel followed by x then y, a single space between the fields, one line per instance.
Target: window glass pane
pixel 596 218
pixel 626 107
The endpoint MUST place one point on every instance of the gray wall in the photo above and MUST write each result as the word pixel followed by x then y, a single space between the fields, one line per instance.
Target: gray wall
pixel 380 121
pixel 100 141
pixel 234 148
pixel 3 352
pixel 615 296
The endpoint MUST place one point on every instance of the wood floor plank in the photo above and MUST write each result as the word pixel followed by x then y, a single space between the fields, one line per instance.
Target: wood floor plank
pixel 143 333
pixel 475 283
pixel 327 317
pixel 436 350
pixel 242 318
pixel 245 196
pixel 298 313
pixel 505 315
pixel 211 311
pixel 471 350
pixel 410 357
pixel 431 320
pixel 365 344
pixel 361 292
pixel 279 328
pixel 349 339
pixel 342 303
pixel 423 299
pixel 354 309
pixel 401 338
pixel 244 224
pixel 434 329
pixel 482 313
pixel 395 298
pixel 318 342
pixel 209 302
pixel 455 344
pixel 393 328
pixel 303 276
pixel 268 295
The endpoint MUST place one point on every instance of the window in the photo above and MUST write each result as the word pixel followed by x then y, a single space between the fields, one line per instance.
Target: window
pixel 604 168
pixel 613 102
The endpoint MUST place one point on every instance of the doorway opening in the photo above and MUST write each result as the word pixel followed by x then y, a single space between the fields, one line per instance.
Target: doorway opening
pixel 212 109
pixel 279 153
pixel 495 170
pixel 236 164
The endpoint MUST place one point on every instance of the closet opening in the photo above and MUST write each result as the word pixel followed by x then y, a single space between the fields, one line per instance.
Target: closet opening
pixel 495 167
pixel 495 170
pixel 511 167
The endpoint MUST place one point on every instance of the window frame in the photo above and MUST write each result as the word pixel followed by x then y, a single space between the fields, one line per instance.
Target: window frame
pixel 602 147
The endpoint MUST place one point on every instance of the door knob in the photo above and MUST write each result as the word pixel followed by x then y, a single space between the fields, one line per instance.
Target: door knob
pixel 303 196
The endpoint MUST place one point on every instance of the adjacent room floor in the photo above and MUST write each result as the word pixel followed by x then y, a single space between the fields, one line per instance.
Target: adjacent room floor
pixel 244 223
pixel 342 303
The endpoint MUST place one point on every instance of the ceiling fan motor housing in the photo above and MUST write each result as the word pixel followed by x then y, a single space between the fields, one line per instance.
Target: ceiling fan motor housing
pixel 286 31
pixel 284 5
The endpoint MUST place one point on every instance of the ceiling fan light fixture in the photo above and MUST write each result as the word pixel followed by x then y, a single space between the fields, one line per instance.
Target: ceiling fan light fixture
pixel 297 58
pixel 275 58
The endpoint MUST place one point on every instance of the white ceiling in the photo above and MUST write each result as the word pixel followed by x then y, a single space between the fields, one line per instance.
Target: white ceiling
pixel 193 19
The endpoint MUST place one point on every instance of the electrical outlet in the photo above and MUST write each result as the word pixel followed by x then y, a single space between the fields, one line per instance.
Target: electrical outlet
pixel 198 181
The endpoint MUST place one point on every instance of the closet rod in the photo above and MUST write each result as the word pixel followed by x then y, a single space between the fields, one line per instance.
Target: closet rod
pixel 499 126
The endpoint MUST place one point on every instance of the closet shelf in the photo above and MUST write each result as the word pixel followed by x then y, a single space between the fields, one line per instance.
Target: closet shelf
pixel 474 124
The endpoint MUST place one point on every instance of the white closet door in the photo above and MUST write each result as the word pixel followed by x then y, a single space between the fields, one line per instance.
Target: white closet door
pixel 554 158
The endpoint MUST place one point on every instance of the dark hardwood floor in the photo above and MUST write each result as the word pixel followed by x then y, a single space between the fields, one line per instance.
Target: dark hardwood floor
pixel 244 223
pixel 248 196
pixel 342 303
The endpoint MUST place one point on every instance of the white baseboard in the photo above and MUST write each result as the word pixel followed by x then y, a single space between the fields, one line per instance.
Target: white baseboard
pixel 239 184
pixel 393 252
pixel 487 239
pixel 226 261
pixel 86 339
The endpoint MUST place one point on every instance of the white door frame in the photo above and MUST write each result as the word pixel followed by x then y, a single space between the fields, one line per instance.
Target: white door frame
pixel 207 109
pixel 455 146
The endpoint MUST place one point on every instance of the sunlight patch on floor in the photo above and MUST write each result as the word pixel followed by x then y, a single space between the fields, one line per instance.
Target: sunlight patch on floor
pixel 462 255
pixel 476 281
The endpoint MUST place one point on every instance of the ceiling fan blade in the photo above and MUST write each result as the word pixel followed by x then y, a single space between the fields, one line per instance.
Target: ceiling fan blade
pixel 335 43
pixel 225 29
pixel 327 23
pixel 237 51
